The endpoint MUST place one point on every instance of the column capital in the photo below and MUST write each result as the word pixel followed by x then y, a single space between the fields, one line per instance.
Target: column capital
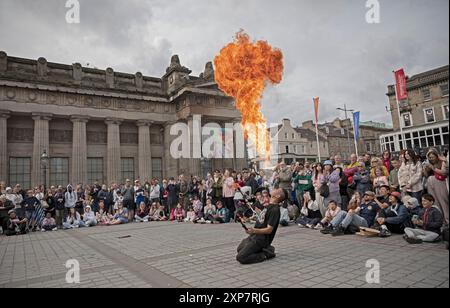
pixel 144 123
pixel 41 116
pixel 113 121
pixel 79 118
pixel 4 114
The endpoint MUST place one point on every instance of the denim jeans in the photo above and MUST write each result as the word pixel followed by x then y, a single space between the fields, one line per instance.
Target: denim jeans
pixel 345 220
pixel 140 219
pixel 88 223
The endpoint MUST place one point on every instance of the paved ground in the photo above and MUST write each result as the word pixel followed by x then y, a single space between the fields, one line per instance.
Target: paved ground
pixel 186 255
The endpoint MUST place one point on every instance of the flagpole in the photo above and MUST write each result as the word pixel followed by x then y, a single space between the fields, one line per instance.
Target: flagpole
pixel 317 132
pixel 354 137
pixel 399 114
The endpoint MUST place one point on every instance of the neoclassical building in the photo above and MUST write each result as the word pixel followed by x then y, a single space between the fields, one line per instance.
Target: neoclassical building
pixel 102 125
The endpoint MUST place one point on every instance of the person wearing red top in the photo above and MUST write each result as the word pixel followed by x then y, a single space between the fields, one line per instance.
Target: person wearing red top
pixel 387 161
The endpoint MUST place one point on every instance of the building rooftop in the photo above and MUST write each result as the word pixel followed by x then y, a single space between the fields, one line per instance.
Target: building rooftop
pixel 436 75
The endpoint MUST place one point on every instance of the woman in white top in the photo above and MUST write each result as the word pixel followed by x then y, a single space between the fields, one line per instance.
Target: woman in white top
pixel 414 186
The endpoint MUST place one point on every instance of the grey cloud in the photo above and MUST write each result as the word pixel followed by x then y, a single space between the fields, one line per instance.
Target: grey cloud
pixel 330 51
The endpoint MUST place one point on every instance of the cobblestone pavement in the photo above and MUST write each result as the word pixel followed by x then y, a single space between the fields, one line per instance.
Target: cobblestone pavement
pixel 187 255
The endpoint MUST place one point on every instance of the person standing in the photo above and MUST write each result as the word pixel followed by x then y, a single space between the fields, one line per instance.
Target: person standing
pixel 437 171
pixel 331 178
pixel 228 192
pixel 414 187
pixel 128 199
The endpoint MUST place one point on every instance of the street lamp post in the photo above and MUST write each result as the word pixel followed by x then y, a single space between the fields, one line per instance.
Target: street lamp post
pixel 348 133
pixel 44 164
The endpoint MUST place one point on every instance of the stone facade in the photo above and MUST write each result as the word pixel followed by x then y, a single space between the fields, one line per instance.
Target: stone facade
pixel 93 122
pixel 424 114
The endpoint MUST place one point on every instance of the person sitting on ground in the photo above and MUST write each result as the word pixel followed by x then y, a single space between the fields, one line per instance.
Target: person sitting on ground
pixel 49 223
pixel 427 225
pixel 332 210
pixel 382 199
pixel 121 216
pixel 160 214
pixel 362 215
pixel 102 216
pixel 222 213
pixel 412 205
pixel 190 214
pixel 198 207
pixel 5 206
pixel 284 215
pixel 142 213
pixel 179 213
pixel 15 225
pixel 209 211
pixel 72 220
pixel 392 218
pixel 310 214
pixel 89 219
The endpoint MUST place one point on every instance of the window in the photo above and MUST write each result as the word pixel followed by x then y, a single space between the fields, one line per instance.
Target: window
pixel 444 89
pixel 285 135
pixel 368 147
pixel 342 131
pixel 95 170
pixel 293 136
pixel 59 172
pixel 429 115
pixel 157 168
pixel 295 149
pixel 327 130
pixel 426 95
pixel 287 149
pixel 407 120
pixel 127 168
pixel 445 112
pixel 20 171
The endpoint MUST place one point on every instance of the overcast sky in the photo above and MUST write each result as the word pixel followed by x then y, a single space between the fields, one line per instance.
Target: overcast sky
pixel 330 51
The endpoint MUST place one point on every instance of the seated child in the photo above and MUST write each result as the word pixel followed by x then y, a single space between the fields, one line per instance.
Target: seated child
pixel 49 223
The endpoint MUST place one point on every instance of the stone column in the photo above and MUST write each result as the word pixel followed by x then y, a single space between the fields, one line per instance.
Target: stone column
pixel 170 164
pixel 144 150
pixel 4 115
pixel 195 132
pixel 113 155
pixel 40 143
pixel 79 150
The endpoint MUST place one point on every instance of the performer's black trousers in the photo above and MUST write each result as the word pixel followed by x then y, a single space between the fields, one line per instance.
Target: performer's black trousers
pixel 250 252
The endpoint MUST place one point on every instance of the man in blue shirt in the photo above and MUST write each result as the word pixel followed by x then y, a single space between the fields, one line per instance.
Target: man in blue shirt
pixel 363 216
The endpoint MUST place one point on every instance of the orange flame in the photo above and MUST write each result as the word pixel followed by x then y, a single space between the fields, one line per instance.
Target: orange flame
pixel 242 70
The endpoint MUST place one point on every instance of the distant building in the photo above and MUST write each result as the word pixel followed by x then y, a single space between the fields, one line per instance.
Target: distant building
pixel 293 144
pixel 424 115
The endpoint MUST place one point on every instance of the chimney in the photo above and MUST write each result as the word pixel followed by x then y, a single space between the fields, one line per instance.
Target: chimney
pixel 287 122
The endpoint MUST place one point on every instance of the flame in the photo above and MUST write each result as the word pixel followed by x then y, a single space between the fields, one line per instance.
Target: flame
pixel 242 70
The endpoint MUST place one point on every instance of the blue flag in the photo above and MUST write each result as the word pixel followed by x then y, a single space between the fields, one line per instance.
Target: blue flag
pixel 356 124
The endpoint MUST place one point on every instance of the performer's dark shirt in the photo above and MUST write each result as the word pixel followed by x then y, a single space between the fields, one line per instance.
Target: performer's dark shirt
pixel 271 218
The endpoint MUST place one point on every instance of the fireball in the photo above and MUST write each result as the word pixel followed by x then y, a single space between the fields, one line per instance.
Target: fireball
pixel 243 70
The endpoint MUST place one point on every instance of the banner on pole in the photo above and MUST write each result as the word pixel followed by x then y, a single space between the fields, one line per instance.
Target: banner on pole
pixel 400 85
pixel 316 108
pixel 356 124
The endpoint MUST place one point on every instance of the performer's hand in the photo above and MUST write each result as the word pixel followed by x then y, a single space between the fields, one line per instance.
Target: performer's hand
pixel 250 231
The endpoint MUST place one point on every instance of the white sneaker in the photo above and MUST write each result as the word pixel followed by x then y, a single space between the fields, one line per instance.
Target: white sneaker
pixel 301 226
pixel 309 226
pixel 145 220
pixel 318 227
pixel 55 229
pixel 43 230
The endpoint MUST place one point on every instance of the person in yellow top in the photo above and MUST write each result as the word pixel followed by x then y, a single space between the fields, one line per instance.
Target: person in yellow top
pixel 375 164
